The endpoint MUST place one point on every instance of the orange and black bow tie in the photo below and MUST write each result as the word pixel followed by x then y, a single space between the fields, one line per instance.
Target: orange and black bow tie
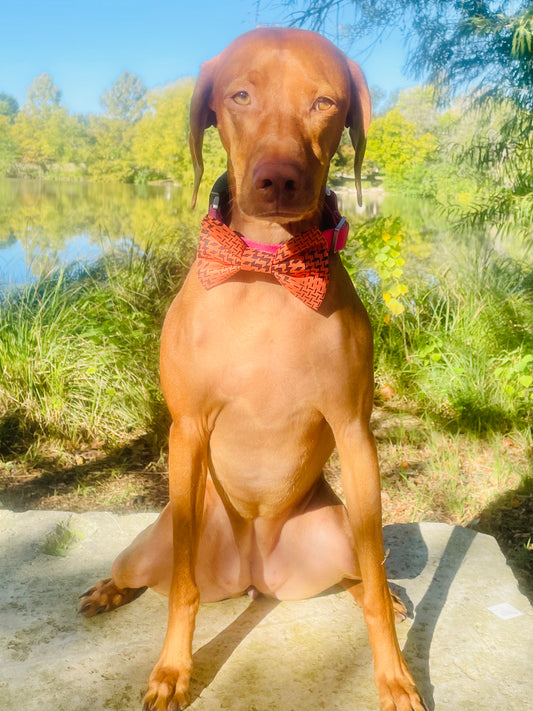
pixel 300 265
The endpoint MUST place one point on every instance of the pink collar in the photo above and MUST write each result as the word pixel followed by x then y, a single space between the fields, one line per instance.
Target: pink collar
pixel 335 236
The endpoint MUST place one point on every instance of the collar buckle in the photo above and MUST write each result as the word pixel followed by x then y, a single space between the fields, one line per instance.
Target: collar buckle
pixel 340 235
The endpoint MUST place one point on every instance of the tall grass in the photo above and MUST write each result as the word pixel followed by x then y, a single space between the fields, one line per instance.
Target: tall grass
pixel 79 350
pixel 461 350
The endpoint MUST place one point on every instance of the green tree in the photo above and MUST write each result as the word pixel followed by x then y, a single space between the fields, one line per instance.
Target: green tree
pixel 9 149
pixel 395 146
pixel 111 155
pixel 496 145
pixel 125 99
pixel 419 106
pixel 43 128
pixel 160 143
pixel 8 106
pixel 378 98
pixel 43 96
pixel 161 139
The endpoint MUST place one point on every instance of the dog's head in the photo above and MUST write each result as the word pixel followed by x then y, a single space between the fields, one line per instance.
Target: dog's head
pixel 280 99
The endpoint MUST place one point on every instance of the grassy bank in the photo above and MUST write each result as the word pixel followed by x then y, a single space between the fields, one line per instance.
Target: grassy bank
pixel 452 324
pixel 79 352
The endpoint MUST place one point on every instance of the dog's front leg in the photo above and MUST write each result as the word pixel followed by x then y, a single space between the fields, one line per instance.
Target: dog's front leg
pixel 169 681
pixel 361 484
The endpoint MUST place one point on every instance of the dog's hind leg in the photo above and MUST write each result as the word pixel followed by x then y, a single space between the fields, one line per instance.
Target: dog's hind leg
pixel 146 562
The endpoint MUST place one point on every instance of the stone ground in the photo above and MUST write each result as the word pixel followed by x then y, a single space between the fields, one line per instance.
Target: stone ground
pixel 251 655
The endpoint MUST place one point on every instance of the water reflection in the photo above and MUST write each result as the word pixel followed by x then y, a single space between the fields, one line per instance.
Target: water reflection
pixel 44 223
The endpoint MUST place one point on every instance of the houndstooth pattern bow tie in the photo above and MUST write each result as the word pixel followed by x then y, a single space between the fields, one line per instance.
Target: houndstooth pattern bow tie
pixel 300 265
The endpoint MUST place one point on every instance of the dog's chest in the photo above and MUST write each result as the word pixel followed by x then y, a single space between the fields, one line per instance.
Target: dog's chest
pixel 269 374
pixel 250 351
pixel 256 342
pixel 267 454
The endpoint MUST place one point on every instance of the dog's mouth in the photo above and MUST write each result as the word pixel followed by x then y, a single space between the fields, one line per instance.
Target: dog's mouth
pixel 283 216
pixel 297 216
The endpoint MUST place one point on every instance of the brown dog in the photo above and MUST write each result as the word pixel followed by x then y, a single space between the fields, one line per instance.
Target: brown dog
pixel 261 384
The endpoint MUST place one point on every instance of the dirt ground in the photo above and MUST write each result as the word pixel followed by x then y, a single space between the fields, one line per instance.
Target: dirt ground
pixel 414 475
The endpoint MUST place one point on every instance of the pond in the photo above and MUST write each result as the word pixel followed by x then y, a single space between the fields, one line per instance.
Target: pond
pixel 45 224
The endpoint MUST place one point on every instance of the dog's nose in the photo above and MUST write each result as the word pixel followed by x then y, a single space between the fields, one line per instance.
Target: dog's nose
pixel 277 181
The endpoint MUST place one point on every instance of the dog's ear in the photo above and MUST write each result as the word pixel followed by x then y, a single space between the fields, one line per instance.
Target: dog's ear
pixel 358 119
pixel 201 117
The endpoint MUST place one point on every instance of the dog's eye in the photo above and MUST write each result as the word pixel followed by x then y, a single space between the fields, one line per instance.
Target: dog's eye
pixel 323 103
pixel 242 98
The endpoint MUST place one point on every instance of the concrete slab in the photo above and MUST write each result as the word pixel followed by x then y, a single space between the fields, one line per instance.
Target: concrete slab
pixel 249 655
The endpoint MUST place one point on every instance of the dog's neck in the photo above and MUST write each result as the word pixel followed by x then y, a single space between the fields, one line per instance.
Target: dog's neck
pixel 266 235
pixel 259 230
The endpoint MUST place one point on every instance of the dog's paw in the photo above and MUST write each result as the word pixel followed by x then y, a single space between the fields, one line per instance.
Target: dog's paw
pixel 399 693
pixel 105 596
pixel 167 690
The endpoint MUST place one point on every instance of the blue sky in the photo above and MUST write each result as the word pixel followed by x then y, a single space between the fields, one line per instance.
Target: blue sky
pixel 85 46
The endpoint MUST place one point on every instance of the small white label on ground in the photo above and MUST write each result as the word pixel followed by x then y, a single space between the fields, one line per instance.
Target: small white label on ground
pixel 505 611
